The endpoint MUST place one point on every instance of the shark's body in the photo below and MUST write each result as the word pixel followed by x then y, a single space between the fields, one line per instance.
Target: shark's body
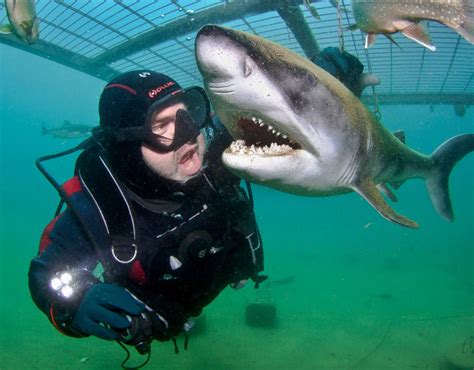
pixel 325 141
pixel 68 130
pixel 391 16
pixel 23 20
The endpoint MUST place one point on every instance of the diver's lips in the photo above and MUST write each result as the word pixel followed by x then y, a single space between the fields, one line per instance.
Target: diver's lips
pixel 256 132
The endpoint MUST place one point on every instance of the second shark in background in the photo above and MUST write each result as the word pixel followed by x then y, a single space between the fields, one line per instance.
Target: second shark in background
pixel 23 20
pixel 67 130
pixel 390 16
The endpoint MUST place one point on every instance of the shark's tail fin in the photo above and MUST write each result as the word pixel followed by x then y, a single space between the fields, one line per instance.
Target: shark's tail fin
pixel 445 158
pixel 466 26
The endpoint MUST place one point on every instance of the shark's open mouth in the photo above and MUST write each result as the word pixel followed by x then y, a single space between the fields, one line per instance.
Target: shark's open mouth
pixel 258 137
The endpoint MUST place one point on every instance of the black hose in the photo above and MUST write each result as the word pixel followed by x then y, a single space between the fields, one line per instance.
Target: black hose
pixel 64 197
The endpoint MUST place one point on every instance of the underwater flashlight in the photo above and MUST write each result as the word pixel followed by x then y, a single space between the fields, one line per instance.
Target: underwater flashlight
pixel 62 283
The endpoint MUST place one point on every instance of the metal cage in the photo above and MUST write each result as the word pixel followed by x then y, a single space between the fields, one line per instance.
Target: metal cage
pixel 105 37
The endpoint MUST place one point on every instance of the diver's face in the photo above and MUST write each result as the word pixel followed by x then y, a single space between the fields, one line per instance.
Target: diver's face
pixel 182 164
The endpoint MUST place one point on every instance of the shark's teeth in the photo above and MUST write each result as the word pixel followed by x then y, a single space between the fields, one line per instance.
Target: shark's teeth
pixel 239 147
pixel 280 143
pixel 270 128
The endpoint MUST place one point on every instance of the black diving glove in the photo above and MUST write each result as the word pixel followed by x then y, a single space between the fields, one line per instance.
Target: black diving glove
pixel 346 68
pixel 104 309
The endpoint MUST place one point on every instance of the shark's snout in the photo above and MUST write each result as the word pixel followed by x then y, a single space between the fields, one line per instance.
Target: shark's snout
pixel 217 54
pixel 205 52
pixel 215 33
pixel 203 45
pixel 209 30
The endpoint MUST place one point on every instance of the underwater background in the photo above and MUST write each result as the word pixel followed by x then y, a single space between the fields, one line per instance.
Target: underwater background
pixel 351 290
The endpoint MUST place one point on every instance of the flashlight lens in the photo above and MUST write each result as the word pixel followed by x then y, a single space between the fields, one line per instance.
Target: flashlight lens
pixel 66 291
pixel 66 278
pixel 56 283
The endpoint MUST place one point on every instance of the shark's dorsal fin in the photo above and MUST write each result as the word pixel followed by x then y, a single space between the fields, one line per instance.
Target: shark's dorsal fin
pixel 67 123
pixel 367 189
pixel 400 135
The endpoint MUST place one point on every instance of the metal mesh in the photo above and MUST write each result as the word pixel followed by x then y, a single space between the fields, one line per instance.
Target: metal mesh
pixel 90 28
pixel 176 57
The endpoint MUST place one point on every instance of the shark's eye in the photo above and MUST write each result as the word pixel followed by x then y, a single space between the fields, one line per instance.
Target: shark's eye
pixel 310 81
pixel 247 68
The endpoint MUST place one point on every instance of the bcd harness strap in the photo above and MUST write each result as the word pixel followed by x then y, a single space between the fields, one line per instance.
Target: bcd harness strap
pixel 120 248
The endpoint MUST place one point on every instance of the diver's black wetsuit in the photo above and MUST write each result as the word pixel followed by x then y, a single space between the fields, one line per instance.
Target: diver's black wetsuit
pixel 189 246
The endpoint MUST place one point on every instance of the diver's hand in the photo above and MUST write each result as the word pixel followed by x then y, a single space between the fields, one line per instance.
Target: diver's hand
pixel 347 68
pixel 368 79
pixel 104 309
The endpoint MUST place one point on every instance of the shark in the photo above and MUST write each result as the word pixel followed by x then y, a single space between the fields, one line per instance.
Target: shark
pixel 300 130
pixel 23 20
pixel 390 16
pixel 67 130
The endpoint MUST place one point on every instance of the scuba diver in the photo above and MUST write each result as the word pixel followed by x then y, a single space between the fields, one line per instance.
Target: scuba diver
pixel 346 68
pixel 155 226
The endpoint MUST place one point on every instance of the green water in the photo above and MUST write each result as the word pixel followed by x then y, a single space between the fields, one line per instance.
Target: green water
pixel 365 294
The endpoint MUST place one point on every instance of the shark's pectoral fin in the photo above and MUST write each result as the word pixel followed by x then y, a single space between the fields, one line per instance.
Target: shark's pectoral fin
pixel 6 29
pixel 370 39
pixel 387 191
pixel 416 32
pixel 368 190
